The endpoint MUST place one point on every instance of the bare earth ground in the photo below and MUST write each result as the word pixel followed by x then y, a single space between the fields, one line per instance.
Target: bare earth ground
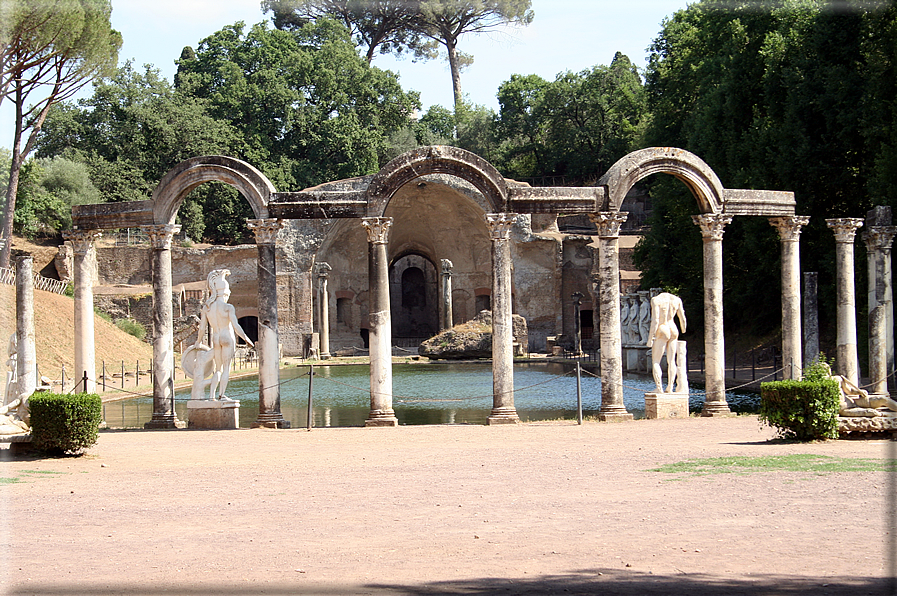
pixel 550 508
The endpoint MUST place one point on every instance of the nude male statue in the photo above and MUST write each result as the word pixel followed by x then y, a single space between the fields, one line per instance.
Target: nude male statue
pixel 663 336
pixel 221 318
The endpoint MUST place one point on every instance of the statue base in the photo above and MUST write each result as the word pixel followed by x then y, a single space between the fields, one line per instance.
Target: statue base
pixel 861 424
pixel 213 414
pixel 666 405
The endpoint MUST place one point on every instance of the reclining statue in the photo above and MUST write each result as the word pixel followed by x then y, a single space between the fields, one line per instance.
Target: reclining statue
pixel 857 402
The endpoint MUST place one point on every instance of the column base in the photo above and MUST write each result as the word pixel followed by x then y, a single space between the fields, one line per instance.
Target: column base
pixel 326 356
pixel 270 421
pixel 616 414
pixel 164 422
pixel 378 419
pixel 716 409
pixel 503 416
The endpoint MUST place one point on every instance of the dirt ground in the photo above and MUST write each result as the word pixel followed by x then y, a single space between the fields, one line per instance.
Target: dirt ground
pixel 550 508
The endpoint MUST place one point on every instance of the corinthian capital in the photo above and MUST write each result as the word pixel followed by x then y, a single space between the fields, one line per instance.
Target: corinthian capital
pixel 377 229
pixel 845 228
pixel 789 227
pixel 160 235
pixel 608 222
pixel 82 240
pixel 323 269
pixel 500 225
pixel 712 224
pixel 265 230
pixel 879 238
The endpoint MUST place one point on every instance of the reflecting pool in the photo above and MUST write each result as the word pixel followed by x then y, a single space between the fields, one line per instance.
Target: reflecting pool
pixel 425 393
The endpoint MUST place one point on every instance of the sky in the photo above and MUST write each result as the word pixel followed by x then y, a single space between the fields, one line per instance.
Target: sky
pixel 565 35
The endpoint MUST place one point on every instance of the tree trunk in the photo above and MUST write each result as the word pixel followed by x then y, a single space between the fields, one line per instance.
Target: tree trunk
pixel 456 73
pixel 15 167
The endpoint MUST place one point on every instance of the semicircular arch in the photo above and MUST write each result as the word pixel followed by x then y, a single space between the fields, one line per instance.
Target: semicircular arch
pixel 700 179
pixel 187 175
pixel 436 159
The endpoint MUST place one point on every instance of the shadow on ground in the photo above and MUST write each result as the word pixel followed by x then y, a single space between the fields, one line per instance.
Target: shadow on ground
pixel 593 581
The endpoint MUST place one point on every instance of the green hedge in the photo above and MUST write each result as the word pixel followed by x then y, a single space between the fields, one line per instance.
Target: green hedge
pixel 65 423
pixel 802 410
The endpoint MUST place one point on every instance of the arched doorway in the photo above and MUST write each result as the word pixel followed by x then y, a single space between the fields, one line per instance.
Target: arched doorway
pixel 413 291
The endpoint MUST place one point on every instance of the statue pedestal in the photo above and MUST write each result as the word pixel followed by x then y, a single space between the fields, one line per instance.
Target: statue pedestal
pixel 666 405
pixel 213 414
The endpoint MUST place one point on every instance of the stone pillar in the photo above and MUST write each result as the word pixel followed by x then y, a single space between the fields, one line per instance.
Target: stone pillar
pixel 712 226
pixel 577 323
pixel 164 415
pixel 610 340
pixel 446 294
pixel 503 410
pixel 881 310
pixel 845 229
pixel 85 345
pixel 380 337
pixel 811 317
pixel 324 270
pixel 265 231
pixel 789 235
pixel 26 367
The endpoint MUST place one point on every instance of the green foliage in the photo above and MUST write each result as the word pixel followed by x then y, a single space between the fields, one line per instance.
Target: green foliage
pixel 65 423
pixel 48 188
pixel 132 327
pixel 801 410
pixel 819 370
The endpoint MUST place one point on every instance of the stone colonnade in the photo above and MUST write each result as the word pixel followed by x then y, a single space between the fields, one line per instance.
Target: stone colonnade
pixel 85 342
pixel 845 229
pixel 789 235
pixel 26 350
pixel 878 241
pixel 447 322
pixel 323 311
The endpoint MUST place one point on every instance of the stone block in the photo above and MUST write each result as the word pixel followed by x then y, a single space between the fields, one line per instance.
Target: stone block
pixel 213 414
pixel 666 405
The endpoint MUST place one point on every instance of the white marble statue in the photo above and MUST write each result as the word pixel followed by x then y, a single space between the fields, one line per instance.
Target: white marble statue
pixel 624 319
pixel 12 364
pixel 663 337
pixel 201 361
pixel 644 318
pixel 14 418
pixel 632 327
pixel 856 402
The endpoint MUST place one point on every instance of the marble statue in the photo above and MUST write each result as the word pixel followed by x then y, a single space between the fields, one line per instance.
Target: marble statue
pixel 14 418
pixel 663 336
pixel 12 364
pixel 201 361
pixel 856 402
pixel 644 318
pixel 624 319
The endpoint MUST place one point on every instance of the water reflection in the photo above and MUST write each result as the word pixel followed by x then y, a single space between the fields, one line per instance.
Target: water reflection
pixel 425 393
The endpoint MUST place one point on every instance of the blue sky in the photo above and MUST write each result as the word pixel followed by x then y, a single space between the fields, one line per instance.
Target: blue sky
pixel 565 35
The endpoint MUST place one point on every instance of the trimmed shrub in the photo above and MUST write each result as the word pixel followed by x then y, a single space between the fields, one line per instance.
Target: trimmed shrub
pixel 65 423
pixel 801 410
pixel 131 326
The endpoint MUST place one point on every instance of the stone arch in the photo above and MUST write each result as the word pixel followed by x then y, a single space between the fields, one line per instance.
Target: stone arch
pixel 436 159
pixel 187 175
pixel 700 179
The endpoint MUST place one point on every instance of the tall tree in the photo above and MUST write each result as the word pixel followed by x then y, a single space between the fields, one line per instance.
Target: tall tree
pixel 51 50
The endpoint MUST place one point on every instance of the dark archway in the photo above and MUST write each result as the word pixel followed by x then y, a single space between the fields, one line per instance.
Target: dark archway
pixel 413 290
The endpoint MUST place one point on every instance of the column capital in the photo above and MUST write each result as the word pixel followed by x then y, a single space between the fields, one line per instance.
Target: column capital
pixel 879 238
pixel 265 230
pixel 845 228
pixel 160 235
pixel 577 298
pixel 712 224
pixel 500 225
pixel 608 222
pixel 377 229
pixel 323 269
pixel 446 267
pixel 789 227
pixel 82 240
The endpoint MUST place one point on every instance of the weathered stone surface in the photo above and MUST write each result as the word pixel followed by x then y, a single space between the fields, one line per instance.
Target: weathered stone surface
pixel 860 424
pixel 666 405
pixel 470 340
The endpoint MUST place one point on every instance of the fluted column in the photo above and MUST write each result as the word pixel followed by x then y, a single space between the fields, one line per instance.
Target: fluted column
pixel 610 341
pixel 845 229
pixel 324 270
pixel 164 415
pixel 789 236
pixel 446 294
pixel 380 337
pixel 712 227
pixel 503 410
pixel 881 307
pixel 270 416
pixel 26 350
pixel 85 344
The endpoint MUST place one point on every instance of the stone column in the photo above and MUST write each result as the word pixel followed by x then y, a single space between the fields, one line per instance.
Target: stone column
pixel 811 317
pixel 503 410
pixel 610 340
pixel 26 366
pixel 324 270
pixel 577 323
pixel 789 235
pixel 712 226
pixel 845 229
pixel 164 415
pixel 881 310
pixel 265 231
pixel 380 337
pixel 85 345
pixel 446 294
